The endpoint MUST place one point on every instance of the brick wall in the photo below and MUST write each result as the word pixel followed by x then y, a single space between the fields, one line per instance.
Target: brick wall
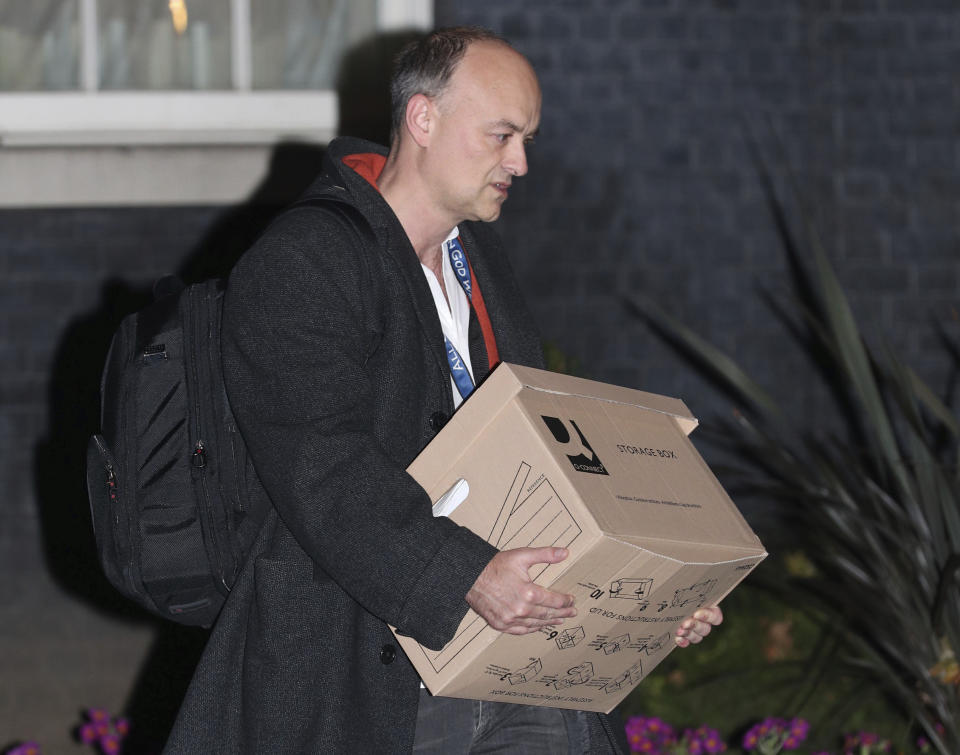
pixel 641 183
pixel 67 276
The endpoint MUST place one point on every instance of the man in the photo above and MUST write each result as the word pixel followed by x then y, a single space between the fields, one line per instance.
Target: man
pixel 344 356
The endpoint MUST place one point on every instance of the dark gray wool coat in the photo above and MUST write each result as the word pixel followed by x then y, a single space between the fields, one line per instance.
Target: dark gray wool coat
pixel 336 371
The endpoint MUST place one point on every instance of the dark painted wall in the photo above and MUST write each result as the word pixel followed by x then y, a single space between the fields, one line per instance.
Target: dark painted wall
pixel 641 182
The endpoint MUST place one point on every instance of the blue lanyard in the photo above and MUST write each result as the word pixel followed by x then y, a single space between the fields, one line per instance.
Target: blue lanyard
pixel 458 260
pixel 458 370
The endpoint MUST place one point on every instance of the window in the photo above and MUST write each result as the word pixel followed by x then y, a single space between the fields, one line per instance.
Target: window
pixel 87 72
pixel 39 45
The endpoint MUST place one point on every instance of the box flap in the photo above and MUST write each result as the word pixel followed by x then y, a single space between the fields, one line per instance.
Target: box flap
pixel 553 382
pixel 697 553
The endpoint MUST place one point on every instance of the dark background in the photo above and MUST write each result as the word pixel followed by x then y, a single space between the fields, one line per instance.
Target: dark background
pixel 641 183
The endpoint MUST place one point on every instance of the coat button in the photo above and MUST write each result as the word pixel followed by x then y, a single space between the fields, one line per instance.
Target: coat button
pixel 387 654
pixel 437 421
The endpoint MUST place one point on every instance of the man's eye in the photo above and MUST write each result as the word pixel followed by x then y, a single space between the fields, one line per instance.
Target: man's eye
pixel 501 137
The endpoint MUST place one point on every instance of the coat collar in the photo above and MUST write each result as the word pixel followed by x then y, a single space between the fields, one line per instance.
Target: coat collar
pixel 386 226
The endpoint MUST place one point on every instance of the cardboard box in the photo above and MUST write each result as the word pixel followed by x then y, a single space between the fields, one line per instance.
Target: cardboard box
pixel 536 458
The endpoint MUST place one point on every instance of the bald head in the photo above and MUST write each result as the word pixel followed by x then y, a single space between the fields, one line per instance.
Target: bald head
pixel 427 65
pixel 494 77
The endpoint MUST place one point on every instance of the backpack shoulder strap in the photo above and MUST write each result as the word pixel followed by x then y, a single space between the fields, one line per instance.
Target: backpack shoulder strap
pixel 338 204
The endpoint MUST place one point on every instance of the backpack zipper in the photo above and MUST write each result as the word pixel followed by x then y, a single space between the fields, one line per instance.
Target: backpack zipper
pixel 112 489
pixel 199 462
pixel 199 458
pixel 113 493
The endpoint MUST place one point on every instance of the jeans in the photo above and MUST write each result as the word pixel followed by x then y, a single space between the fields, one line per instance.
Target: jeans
pixel 449 726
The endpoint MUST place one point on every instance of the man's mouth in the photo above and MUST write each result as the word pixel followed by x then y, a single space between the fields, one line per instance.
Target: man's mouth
pixel 503 188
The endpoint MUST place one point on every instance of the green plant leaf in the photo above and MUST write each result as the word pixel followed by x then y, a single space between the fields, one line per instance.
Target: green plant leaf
pixel 874 505
pixel 724 369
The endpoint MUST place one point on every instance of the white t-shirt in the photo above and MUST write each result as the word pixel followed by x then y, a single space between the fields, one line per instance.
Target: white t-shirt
pixel 455 315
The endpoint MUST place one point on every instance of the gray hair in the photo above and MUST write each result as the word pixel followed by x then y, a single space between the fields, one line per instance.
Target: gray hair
pixel 425 66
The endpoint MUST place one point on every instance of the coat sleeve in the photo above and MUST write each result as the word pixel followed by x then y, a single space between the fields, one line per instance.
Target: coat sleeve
pixel 299 322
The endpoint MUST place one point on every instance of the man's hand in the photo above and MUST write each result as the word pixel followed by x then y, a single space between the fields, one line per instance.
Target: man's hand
pixel 693 630
pixel 509 601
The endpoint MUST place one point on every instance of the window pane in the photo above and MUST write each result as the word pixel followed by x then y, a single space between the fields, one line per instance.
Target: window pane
pixel 298 44
pixel 39 47
pixel 141 49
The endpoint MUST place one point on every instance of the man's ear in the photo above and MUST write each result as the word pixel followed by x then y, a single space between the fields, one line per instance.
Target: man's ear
pixel 420 118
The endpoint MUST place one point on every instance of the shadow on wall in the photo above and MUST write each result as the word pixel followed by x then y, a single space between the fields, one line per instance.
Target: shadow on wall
pixel 363 86
pixel 73 399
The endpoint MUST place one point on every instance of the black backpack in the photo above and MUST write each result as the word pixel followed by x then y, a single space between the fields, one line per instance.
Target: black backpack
pixel 174 498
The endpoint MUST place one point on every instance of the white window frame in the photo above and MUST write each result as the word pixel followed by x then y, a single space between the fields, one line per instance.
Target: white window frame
pixel 92 117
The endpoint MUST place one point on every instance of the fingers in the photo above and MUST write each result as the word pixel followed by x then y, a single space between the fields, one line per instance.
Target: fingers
pixel 531 556
pixel 540 596
pixel 521 625
pixel 712 615
pixel 534 597
pixel 692 630
pixel 534 609
pixel 506 598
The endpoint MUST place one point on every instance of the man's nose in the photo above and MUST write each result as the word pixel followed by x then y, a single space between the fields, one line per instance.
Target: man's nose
pixel 516 160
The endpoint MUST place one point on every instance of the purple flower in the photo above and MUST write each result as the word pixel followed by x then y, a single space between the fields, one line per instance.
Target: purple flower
pixel 774 734
pixel 712 742
pixel 853 744
pixel 799 728
pixel 659 728
pixel 648 734
pixel 98 715
pixel 642 734
pixel 26 748
pixel 795 733
pixel 657 737
pixel 104 734
pixel 88 733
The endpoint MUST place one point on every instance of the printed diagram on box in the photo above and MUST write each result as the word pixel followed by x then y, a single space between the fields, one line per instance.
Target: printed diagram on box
pixel 570 638
pixel 565 638
pixel 585 672
pixel 639 589
pixel 615 645
pixel 631 589
pixel 636 589
pixel 528 673
pixel 628 678
pixel 610 645
pixel 648 643
pixel 654 645
pixel 532 515
pixel 695 595
pixel 579 674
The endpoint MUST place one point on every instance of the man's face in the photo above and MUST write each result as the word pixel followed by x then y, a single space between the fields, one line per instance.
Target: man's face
pixel 485 120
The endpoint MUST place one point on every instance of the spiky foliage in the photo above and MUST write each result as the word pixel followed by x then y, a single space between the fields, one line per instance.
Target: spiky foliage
pixel 875 506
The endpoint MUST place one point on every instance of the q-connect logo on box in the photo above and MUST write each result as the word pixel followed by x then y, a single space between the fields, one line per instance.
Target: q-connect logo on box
pixel 581 455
